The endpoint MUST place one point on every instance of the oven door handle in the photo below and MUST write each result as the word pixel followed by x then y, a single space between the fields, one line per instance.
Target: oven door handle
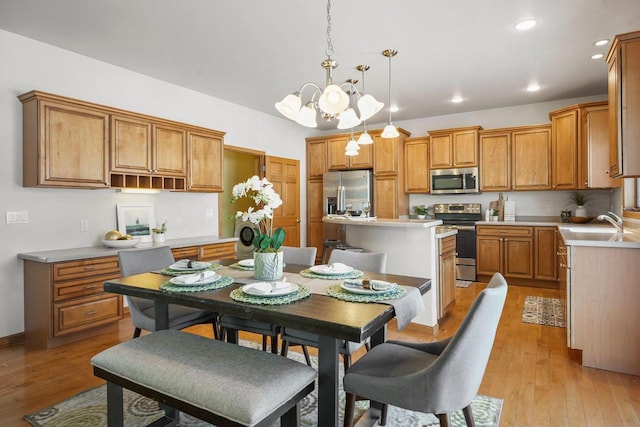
pixel 464 227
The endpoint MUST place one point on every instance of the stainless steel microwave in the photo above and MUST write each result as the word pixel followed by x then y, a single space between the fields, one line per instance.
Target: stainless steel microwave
pixel 454 181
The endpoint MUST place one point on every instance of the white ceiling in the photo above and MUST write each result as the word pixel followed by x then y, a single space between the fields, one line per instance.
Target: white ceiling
pixel 254 52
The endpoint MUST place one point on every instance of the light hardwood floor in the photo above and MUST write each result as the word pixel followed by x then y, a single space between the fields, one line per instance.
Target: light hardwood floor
pixel 529 368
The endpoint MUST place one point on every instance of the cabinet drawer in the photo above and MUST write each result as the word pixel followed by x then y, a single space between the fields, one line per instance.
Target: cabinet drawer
pixel 448 244
pixel 190 252
pixel 80 288
pixel 218 251
pixel 490 230
pixel 85 268
pixel 86 313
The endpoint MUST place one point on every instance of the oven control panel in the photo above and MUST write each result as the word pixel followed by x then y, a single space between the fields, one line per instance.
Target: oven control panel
pixel 457 208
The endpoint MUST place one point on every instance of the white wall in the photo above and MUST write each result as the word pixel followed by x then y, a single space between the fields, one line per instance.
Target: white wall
pixel 54 214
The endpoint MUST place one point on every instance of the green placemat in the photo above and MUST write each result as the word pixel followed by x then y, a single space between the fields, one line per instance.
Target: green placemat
pixel 222 282
pixel 169 272
pixel 355 274
pixel 240 267
pixel 336 291
pixel 238 295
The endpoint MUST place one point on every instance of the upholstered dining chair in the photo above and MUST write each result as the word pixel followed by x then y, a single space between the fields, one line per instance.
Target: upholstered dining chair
pixel 436 377
pixel 142 310
pixel 290 255
pixel 375 262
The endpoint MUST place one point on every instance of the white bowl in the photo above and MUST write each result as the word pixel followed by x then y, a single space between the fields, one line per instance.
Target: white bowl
pixel 121 243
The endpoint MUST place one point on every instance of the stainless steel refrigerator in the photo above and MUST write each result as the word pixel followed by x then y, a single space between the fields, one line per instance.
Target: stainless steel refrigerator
pixel 345 191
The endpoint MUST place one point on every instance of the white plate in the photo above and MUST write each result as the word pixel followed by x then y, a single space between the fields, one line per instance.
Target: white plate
pixel 246 262
pixel 176 281
pixel 247 289
pixel 195 266
pixel 325 270
pixel 363 291
pixel 121 243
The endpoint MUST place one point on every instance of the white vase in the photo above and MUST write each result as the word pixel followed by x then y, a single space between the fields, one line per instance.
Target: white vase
pixel 158 237
pixel 268 265
pixel 421 216
pixel 581 211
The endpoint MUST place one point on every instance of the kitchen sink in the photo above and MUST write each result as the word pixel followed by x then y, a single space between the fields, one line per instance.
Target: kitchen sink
pixel 588 229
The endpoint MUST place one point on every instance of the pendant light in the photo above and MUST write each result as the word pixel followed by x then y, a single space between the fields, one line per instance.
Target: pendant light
pixel 333 102
pixel 364 138
pixel 390 131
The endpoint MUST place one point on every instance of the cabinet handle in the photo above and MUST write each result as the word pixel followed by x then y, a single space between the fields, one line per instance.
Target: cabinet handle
pixel 106 183
pixel 90 268
pixel 91 313
pixel 90 286
pixel 607 172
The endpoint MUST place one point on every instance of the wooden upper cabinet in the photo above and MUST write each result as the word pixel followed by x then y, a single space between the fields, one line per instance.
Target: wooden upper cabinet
pixel 316 158
pixel 169 150
pixel 531 158
pixel 564 149
pixel 338 160
pixel 416 165
pixel 65 143
pixel 594 151
pixel 205 161
pixel 624 105
pixel 385 155
pixel 495 160
pixel 454 148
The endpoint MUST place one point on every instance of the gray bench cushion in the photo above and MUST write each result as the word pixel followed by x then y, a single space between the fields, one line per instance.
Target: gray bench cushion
pixel 239 383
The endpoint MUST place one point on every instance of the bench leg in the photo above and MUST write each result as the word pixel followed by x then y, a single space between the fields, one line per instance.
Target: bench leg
pixel 115 417
pixel 291 418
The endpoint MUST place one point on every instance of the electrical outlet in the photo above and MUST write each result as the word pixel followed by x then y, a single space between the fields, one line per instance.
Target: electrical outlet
pixel 550 208
pixel 208 213
pixel 17 217
pixel 84 225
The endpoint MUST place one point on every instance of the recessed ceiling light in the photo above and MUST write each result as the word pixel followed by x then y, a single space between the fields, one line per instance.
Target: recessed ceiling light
pixel 525 25
pixel 456 99
pixel 601 42
pixel 533 87
pixel 597 56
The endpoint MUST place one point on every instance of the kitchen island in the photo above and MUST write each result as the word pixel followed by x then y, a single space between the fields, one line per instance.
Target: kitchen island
pixel 410 246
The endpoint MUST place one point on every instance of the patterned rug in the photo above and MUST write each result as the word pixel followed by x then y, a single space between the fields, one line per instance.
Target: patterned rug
pixel 463 283
pixel 543 311
pixel 89 409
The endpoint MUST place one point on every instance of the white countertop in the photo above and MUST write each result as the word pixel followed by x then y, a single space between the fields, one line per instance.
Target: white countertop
pixel 61 255
pixel 382 222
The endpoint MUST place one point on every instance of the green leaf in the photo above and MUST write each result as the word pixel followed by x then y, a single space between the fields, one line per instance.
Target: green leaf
pixel 277 238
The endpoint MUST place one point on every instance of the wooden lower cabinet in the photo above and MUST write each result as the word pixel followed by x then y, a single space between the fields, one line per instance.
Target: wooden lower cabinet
pixel 447 275
pixel 217 251
pixel 523 255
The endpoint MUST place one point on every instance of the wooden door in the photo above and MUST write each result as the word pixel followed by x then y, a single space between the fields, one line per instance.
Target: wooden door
pixel 495 161
pixel 615 161
pixel 285 176
pixel 315 211
pixel 316 158
pixel 336 159
pixel 385 193
pixel 440 156
pixel 169 150
pixel 489 255
pixel 416 165
pixel 447 279
pixel 364 158
pixel 131 145
pixel 595 171
pixel 531 158
pixel 465 149
pixel 564 150
pixel 385 155
pixel 546 265
pixel 518 257
pixel 206 158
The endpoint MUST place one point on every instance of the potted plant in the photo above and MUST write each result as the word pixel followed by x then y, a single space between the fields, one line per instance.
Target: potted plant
pixel 158 233
pixel 580 199
pixel 420 211
pixel 267 257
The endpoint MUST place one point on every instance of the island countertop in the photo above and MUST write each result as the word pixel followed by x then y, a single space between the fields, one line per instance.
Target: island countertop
pixel 382 222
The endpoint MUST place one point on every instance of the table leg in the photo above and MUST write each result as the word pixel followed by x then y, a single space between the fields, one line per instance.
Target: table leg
pixel 162 315
pixel 328 405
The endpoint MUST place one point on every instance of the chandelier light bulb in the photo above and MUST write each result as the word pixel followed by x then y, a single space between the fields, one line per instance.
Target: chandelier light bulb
pixel 333 100
pixel 365 138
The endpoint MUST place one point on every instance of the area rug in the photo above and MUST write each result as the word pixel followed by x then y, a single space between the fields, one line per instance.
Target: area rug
pixel 463 283
pixel 89 409
pixel 543 311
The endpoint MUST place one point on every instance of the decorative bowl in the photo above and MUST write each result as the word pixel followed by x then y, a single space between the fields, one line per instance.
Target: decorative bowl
pixel 121 243
pixel 580 219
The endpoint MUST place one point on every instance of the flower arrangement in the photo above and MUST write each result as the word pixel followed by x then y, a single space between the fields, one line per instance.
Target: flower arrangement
pixel 420 210
pixel 266 200
pixel 161 230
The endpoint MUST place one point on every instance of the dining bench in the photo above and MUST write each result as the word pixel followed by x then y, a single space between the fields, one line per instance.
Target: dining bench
pixel 220 383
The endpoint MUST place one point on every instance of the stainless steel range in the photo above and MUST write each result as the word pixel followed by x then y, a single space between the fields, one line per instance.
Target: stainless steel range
pixel 462 217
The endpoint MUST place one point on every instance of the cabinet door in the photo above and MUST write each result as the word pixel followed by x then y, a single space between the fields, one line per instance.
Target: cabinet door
pixel 531 158
pixel 546 263
pixel 386 196
pixel 364 158
pixel 564 150
pixel 495 162
pixel 73 150
pixel 336 159
pixel 131 145
pixel 465 149
pixel 315 209
pixel 489 254
pixel 615 154
pixel 205 162
pixel 440 155
pixel 447 276
pixel 385 155
pixel 518 257
pixel 170 150
pixel 316 159
pixel 416 165
pixel 595 174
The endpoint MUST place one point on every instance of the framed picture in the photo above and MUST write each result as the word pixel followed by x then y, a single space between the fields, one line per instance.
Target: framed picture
pixel 136 220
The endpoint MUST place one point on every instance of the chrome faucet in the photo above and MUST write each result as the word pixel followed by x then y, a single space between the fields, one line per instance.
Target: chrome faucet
pixel 616 221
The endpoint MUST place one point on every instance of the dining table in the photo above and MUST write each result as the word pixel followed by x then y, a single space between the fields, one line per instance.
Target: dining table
pixel 333 319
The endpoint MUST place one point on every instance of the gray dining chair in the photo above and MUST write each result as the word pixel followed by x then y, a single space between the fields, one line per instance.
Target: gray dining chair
pixel 290 255
pixel 142 310
pixel 375 262
pixel 435 377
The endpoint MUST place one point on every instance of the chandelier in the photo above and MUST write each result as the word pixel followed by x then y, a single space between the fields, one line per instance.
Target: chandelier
pixel 333 102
